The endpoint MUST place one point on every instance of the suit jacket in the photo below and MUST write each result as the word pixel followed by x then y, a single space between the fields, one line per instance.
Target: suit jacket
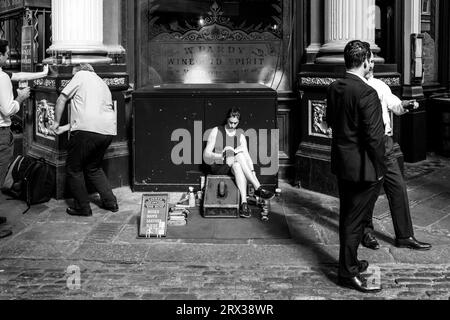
pixel 358 147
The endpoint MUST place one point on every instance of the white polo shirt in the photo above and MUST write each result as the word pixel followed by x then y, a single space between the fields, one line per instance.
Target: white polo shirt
pixel 92 108
pixel 389 102
pixel 8 106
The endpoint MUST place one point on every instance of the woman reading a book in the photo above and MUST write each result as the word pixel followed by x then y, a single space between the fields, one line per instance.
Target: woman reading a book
pixel 227 154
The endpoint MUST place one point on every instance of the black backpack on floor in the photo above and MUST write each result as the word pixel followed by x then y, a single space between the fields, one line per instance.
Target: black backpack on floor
pixel 30 180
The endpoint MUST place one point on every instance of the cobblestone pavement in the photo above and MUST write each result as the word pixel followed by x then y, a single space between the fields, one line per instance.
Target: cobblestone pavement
pixel 46 279
pixel 55 256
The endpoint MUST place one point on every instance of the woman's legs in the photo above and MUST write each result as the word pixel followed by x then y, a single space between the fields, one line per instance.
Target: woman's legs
pixel 241 181
pixel 247 171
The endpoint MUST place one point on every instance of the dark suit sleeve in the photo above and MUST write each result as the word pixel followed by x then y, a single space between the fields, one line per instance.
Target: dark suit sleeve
pixel 330 108
pixel 373 130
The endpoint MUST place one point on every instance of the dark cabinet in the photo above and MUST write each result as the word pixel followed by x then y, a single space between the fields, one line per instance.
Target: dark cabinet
pixel 169 125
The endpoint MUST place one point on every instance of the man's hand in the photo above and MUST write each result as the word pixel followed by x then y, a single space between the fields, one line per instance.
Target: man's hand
pixel 409 105
pixel 55 128
pixel 45 69
pixel 23 94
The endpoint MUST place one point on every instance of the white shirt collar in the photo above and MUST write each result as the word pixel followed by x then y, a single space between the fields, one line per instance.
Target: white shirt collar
pixel 355 74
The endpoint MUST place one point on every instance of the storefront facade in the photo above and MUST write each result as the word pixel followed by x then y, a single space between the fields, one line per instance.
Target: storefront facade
pixel 293 47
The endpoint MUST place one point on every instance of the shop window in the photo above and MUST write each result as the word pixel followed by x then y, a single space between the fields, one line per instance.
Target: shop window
pixel 386 29
pixel 430 29
pixel 426 7
pixel 28 31
pixel 201 41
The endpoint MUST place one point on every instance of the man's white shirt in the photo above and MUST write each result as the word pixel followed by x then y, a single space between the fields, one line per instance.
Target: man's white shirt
pixel 8 106
pixel 389 102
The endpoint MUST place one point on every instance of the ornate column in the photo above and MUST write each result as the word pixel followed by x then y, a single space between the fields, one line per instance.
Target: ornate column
pixel 316 31
pixel 112 30
pixel 347 20
pixel 77 27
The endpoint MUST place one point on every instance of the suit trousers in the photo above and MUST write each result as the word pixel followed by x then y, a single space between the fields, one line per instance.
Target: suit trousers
pixel 6 152
pixel 395 188
pixel 85 156
pixel 357 201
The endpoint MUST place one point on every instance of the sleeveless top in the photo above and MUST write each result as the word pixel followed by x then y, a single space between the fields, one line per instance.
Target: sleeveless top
pixel 224 140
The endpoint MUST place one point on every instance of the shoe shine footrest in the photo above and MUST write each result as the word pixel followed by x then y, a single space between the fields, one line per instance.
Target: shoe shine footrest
pixel 221 198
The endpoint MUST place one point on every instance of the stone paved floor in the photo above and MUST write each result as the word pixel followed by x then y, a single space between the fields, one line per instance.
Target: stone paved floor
pixel 48 248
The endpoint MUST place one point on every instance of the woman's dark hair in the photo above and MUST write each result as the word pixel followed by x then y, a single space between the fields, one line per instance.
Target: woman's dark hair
pixel 3 46
pixel 355 53
pixel 234 113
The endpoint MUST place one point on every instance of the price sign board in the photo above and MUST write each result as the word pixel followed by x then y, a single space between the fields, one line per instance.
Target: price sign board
pixel 154 215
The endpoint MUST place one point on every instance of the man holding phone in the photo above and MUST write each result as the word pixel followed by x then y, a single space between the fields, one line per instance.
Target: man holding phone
pixel 394 184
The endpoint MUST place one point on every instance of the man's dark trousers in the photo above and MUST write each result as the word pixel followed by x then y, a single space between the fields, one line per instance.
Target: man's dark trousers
pixel 395 188
pixel 357 200
pixel 85 156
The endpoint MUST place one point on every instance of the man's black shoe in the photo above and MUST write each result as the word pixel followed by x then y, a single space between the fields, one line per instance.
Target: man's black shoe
pixel 369 241
pixel 113 208
pixel 245 212
pixel 264 194
pixel 2 220
pixel 74 212
pixel 412 243
pixel 357 283
pixel 363 265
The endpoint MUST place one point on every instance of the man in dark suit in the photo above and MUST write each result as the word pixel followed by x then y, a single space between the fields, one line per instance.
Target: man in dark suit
pixel 357 158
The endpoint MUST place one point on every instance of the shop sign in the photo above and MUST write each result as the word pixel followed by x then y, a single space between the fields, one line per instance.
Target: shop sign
pixel 216 62
pixel 154 215
pixel 7 5
pixel 27 49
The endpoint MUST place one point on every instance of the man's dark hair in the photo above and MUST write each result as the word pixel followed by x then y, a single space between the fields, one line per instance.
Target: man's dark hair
pixel 3 46
pixel 355 53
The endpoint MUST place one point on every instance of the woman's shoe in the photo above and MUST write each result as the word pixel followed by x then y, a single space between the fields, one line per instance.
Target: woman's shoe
pixel 264 194
pixel 245 211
